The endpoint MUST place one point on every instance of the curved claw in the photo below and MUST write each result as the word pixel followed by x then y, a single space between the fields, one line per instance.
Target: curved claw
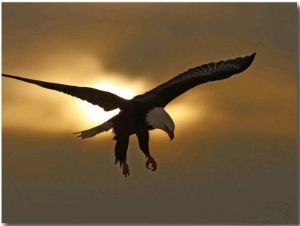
pixel 151 162
pixel 125 169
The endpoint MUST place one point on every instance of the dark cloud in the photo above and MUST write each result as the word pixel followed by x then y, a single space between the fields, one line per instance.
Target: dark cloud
pixel 213 180
pixel 138 39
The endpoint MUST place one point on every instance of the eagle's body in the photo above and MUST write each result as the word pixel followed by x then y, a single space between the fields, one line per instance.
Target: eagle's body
pixel 145 112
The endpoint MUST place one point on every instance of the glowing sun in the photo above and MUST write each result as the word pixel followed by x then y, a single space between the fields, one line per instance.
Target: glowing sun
pixel 94 114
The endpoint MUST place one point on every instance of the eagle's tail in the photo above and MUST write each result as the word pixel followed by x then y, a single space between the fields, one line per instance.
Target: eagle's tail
pixel 94 131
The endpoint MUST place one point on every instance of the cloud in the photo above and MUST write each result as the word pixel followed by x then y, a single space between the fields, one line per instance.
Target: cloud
pixel 140 38
pixel 235 139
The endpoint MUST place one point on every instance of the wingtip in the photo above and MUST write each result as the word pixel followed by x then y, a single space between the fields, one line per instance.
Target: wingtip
pixel 251 58
pixel 13 77
pixel 253 55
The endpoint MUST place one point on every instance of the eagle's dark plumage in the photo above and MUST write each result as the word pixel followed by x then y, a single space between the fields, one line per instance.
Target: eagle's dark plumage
pixel 145 112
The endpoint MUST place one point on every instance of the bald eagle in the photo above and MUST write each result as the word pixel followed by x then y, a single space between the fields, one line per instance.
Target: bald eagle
pixel 144 112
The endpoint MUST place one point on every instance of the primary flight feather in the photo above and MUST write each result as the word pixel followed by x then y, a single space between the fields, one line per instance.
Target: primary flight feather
pixel 144 112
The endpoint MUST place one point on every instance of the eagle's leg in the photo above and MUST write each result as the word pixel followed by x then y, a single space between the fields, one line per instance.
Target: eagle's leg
pixel 143 138
pixel 121 153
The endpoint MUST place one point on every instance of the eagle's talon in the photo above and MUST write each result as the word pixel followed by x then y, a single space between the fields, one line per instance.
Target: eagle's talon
pixel 154 168
pixel 151 162
pixel 125 169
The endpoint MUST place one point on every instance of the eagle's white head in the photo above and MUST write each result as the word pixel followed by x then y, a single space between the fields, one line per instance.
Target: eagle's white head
pixel 158 118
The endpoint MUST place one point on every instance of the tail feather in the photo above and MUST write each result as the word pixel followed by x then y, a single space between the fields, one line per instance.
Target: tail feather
pixel 94 131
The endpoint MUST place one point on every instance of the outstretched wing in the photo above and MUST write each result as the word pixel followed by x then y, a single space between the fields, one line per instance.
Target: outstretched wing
pixel 105 100
pixel 168 91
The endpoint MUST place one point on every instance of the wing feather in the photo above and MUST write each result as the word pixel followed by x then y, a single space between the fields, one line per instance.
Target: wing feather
pixel 106 100
pixel 168 91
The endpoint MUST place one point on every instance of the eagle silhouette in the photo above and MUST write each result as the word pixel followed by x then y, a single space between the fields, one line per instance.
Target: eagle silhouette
pixel 144 112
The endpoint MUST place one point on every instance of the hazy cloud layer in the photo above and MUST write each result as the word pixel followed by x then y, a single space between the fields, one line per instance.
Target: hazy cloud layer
pixel 233 159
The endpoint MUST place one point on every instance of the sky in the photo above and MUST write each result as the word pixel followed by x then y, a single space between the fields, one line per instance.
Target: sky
pixel 234 156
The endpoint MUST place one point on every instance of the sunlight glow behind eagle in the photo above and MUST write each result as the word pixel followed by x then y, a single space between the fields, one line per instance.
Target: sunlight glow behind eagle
pixel 143 112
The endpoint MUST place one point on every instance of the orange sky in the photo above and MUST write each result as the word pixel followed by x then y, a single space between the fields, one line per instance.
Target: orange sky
pixel 233 159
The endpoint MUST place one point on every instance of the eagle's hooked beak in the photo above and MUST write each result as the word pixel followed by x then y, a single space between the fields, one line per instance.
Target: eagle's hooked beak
pixel 170 133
